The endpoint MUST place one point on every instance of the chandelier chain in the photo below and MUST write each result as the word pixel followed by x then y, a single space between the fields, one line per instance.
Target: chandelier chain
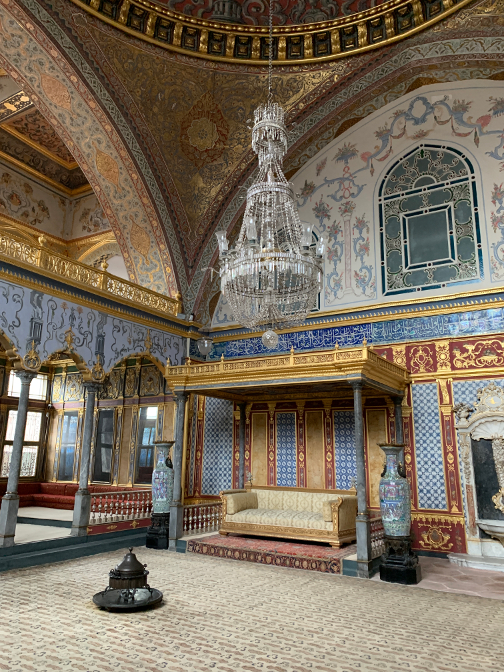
pixel 270 54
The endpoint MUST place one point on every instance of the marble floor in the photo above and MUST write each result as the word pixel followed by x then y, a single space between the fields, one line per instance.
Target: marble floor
pixel 29 533
pixel 222 615
pixel 45 513
pixel 441 574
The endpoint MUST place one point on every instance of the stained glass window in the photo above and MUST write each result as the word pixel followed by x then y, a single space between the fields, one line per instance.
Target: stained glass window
pixel 429 226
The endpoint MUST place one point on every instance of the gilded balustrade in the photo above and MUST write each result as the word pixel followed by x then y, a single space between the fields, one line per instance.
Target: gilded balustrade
pixel 59 267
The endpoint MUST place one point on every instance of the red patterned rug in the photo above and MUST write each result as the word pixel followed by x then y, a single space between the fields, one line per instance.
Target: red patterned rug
pixel 299 555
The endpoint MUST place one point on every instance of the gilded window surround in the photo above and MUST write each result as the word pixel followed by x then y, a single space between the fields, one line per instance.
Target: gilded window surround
pixel 385 24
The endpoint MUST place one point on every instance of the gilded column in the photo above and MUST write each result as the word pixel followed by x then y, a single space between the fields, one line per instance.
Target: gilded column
pixel 329 467
pixel 409 448
pixel 118 425
pixel 301 445
pixel 449 452
pixel 241 465
pixel 271 445
pixel 133 442
pixel 10 501
pixel 82 505
pixel 200 434
pixel 248 443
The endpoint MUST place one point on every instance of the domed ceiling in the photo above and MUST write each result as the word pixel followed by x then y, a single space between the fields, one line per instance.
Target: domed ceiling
pixel 255 12
pixel 179 92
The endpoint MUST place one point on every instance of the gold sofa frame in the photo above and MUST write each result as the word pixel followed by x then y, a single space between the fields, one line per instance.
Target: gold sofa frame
pixel 335 537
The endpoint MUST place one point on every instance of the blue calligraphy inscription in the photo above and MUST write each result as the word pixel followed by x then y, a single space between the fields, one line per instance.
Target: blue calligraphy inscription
pixel 472 323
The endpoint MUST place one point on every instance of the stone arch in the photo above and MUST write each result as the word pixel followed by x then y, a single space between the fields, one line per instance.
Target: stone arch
pixel 147 355
pixel 62 95
pixel 79 362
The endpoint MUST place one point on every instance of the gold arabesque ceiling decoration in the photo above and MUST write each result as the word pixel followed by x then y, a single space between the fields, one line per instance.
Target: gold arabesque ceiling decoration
pixel 307 43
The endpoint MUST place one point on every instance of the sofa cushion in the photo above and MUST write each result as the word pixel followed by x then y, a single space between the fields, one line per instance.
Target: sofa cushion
pixel 239 501
pixel 71 489
pixel 43 500
pixel 52 488
pixel 282 518
pixel 294 500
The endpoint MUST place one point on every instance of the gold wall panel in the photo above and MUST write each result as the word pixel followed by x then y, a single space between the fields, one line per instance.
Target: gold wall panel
pixel 259 448
pixel 314 449
pixel 376 421
pixel 124 454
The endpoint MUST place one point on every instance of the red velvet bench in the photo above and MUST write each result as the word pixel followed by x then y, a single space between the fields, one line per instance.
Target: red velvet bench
pixel 54 495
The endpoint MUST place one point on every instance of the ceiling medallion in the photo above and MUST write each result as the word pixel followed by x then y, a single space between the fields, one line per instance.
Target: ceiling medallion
pixel 273 275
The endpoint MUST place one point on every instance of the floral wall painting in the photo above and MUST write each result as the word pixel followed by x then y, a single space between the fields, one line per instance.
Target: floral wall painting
pixel 369 257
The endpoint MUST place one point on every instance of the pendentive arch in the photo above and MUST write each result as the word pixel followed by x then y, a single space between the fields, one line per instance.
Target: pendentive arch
pixel 63 97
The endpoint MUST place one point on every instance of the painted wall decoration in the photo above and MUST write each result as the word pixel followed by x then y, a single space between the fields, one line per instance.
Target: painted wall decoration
pixel 373 191
pixel 39 206
pixel 31 315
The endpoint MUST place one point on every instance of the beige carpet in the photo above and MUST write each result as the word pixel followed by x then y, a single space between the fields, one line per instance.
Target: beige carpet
pixel 234 616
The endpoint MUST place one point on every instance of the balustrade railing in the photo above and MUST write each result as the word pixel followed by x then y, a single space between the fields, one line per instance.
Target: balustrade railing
pixel 108 507
pixel 377 535
pixel 204 517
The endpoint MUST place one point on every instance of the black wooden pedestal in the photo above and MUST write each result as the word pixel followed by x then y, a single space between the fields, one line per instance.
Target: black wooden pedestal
pixel 399 564
pixel 157 533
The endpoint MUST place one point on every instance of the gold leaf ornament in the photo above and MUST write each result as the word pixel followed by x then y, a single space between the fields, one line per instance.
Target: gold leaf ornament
pixel 31 360
pixel 56 91
pixel 107 166
pixel 140 239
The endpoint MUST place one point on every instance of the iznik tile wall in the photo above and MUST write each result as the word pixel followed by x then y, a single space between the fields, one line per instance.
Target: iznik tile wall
pixel 286 449
pixel 344 448
pixel 429 458
pixel 194 425
pixel 217 446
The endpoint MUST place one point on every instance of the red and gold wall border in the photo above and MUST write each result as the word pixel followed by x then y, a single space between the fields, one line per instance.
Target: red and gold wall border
pixel 318 42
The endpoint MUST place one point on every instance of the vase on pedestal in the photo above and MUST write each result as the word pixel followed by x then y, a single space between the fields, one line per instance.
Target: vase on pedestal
pixel 162 495
pixel 399 563
pixel 395 501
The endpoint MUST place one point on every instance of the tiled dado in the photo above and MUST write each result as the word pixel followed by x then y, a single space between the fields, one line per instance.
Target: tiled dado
pixel 386 23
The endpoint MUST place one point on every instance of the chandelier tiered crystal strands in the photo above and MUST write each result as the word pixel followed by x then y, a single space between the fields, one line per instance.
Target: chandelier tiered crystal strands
pixel 273 275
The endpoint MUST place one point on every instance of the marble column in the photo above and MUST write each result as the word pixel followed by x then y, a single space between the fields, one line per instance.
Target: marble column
pixel 399 436
pixel 82 506
pixel 177 507
pixel 241 452
pixel 10 501
pixel 362 522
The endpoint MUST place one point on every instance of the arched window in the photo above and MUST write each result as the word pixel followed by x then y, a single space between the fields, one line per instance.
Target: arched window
pixel 429 229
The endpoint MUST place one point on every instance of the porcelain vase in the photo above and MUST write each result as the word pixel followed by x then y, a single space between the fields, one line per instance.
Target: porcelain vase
pixel 395 500
pixel 162 479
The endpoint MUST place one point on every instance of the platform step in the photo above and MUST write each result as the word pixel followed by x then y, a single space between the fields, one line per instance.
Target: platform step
pixel 67 548
pixel 44 521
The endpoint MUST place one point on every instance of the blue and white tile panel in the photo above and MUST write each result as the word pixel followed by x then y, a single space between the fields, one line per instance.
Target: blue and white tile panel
pixel 217 446
pixel 192 458
pixel 428 447
pixel 344 448
pixel 286 449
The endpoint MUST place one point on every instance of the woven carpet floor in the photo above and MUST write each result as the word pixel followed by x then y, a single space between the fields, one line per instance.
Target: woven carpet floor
pixel 298 555
pixel 232 616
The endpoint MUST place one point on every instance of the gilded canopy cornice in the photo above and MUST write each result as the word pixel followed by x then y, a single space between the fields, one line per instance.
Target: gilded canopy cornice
pixel 293 44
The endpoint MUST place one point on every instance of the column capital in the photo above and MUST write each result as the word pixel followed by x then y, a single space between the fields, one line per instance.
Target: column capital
pixel 180 396
pixel 26 376
pixel 92 386
pixel 398 398
pixel 357 384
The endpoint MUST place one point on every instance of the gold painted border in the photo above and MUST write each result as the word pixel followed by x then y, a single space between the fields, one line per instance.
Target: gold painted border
pixel 362 24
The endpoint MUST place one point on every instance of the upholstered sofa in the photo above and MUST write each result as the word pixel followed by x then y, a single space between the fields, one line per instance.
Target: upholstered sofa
pixel 291 513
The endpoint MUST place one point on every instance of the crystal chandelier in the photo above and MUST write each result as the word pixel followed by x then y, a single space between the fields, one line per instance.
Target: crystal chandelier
pixel 273 275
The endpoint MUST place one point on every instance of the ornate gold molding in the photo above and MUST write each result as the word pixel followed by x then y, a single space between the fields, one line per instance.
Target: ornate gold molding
pixel 294 44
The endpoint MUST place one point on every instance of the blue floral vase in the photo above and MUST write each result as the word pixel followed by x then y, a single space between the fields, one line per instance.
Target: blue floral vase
pixel 395 501
pixel 162 479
